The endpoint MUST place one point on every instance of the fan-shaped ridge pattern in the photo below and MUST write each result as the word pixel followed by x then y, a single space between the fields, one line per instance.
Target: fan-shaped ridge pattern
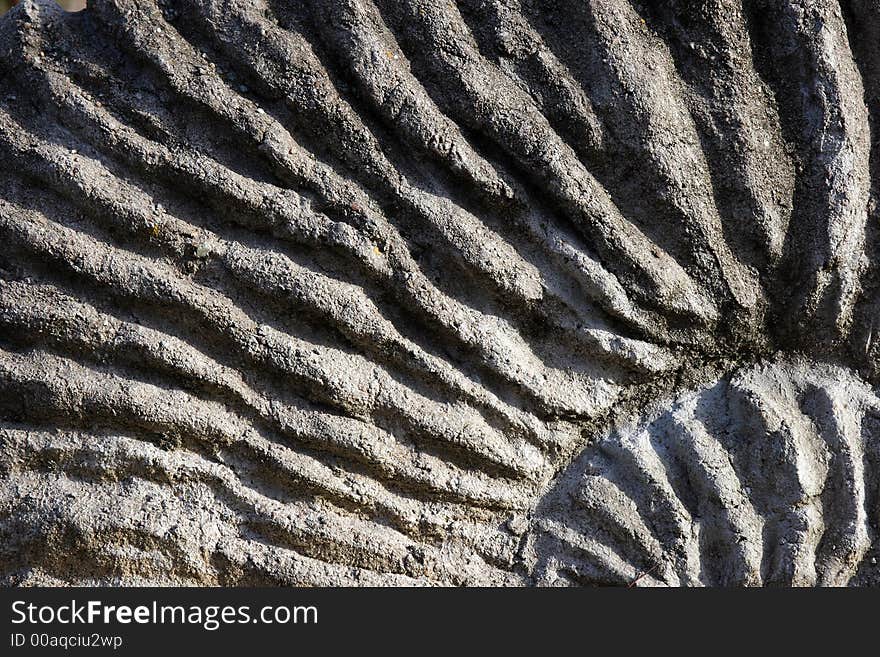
pixel 332 292
pixel 767 477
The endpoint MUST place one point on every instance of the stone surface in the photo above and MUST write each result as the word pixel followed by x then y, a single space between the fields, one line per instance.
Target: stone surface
pixel 768 476
pixel 493 292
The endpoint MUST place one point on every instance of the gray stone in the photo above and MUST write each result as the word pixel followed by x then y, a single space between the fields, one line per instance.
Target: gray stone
pixel 494 292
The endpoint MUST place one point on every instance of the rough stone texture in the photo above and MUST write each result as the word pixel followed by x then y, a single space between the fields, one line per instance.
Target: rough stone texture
pixel 768 476
pixel 498 292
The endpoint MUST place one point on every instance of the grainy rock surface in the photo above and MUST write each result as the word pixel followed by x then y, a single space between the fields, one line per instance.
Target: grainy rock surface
pixel 486 292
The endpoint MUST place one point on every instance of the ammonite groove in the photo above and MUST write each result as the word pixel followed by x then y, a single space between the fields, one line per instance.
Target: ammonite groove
pixel 497 292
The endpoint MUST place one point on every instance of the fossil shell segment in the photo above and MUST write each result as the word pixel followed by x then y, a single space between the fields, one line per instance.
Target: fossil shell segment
pixel 769 477
pixel 424 292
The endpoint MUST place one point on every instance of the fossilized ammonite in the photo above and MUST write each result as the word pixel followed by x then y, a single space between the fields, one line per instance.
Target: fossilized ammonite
pixel 485 292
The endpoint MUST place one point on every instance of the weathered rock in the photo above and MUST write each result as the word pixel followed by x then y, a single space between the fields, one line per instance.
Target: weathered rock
pixel 491 292
pixel 769 476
